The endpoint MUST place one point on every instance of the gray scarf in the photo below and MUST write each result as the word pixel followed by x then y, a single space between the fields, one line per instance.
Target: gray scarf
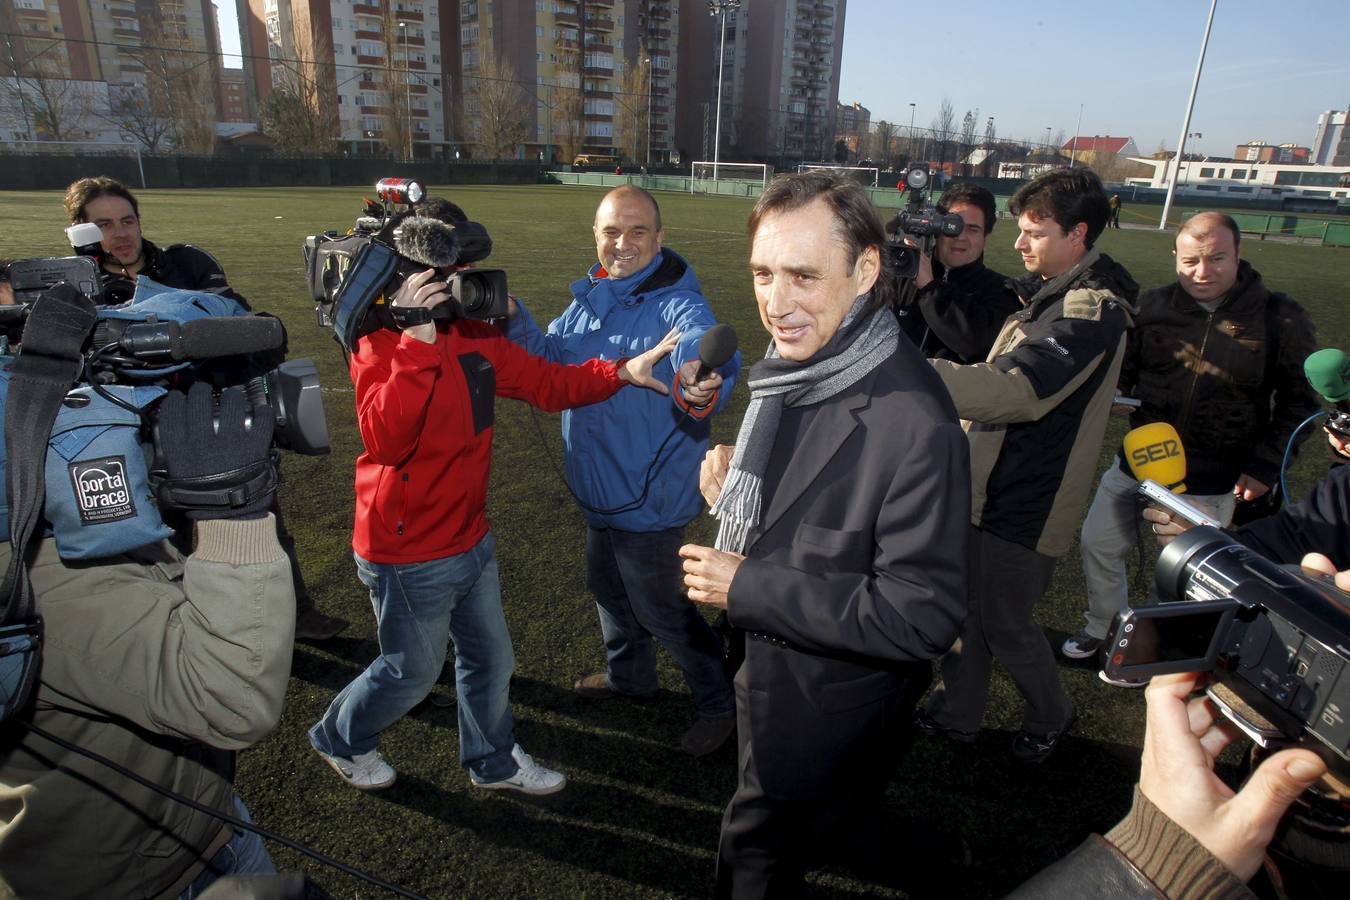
pixel 862 342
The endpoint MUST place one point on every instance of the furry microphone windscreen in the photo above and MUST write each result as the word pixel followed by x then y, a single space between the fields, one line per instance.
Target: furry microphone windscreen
pixel 428 241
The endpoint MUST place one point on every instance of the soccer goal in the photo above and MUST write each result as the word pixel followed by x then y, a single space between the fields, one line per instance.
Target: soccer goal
pixel 865 174
pixel 737 179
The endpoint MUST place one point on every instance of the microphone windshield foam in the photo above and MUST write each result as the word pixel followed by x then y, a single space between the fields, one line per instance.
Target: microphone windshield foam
pixel 717 345
pixel 427 241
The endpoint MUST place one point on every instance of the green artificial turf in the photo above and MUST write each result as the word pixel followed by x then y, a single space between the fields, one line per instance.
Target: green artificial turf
pixel 638 818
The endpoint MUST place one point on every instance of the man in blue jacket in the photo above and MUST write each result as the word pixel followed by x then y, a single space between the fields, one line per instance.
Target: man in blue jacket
pixel 632 462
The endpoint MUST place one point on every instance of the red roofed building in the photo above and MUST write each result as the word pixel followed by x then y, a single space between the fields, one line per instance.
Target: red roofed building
pixel 1099 148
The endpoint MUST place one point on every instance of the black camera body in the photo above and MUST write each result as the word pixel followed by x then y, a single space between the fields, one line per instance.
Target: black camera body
pixel 350 274
pixel 920 220
pixel 1276 639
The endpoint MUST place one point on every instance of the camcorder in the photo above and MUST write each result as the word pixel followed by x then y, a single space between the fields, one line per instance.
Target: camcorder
pixel 921 221
pixel 351 274
pixel 1276 638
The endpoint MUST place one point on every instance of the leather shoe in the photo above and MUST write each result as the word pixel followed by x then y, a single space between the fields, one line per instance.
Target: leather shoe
pixel 1028 747
pixel 706 735
pixel 594 687
pixel 312 625
pixel 931 727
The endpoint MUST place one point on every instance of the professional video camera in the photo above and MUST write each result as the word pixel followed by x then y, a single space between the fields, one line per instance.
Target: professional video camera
pixel 148 339
pixel 1276 639
pixel 920 220
pixel 351 273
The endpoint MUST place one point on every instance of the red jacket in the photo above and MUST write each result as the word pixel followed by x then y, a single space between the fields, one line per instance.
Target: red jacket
pixel 425 412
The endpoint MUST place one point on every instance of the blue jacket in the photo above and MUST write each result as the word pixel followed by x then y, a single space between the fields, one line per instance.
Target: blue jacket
pixel 609 446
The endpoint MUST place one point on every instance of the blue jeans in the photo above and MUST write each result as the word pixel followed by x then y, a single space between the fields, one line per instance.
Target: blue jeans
pixel 243 855
pixel 418 607
pixel 636 577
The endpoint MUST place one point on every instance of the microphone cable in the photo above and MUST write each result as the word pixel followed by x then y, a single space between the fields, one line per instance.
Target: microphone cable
pixel 214 813
pixel 646 481
pixel 1289 452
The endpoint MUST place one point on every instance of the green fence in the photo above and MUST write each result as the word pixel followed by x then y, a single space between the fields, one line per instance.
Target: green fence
pixel 1333 234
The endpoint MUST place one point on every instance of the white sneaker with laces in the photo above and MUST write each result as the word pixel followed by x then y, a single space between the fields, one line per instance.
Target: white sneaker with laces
pixel 365 771
pixel 530 777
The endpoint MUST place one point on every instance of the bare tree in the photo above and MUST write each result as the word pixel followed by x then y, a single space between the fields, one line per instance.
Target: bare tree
pixel 178 79
pixel 884 142
pixel 631 121
pixel 944 125
pixel 569 130
pixel 503 111
pixel 968 139
pixel 396 108
pixel 49 106
pixel 132 112
pixel 300 113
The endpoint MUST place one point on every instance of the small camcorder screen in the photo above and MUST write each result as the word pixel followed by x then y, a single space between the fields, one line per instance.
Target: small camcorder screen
pixel 1173 638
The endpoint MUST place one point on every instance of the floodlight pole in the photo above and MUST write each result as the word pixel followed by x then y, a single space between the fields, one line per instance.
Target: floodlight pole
pixel 1186 124
pixel 407 84
pixel 716 8
pixel 1073 154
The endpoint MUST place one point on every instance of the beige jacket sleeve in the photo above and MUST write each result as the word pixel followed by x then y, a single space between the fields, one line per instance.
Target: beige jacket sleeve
pixel 205 657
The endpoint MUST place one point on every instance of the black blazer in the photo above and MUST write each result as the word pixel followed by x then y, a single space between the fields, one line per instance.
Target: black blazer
pixel 857 570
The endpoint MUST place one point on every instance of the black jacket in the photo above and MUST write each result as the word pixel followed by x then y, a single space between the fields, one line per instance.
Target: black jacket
pixel 177 266
pixel 1319 523
pixel 1036 413
pixel 1211 377
pixel 958 314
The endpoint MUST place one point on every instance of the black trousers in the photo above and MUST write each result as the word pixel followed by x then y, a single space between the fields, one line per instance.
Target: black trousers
pixel 809 782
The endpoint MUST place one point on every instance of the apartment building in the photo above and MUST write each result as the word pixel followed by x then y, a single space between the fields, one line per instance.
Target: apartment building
pixel 378 67
pixel 780 79
pixel 1331 144
pixel 92 56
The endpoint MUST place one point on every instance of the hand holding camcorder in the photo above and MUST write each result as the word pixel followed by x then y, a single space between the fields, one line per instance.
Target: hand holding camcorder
pixel 915 230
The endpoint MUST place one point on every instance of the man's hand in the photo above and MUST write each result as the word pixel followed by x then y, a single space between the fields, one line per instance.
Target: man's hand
pixel 421 289
pixel 716 464
pixel 200 439
pixel 1338 443
pixel 925 276
pixel 708 573
pixel 1319 563
pixel 638 370
pixel 1166 526
pixel 1248 488
pixel 1181 742
pixel 698 393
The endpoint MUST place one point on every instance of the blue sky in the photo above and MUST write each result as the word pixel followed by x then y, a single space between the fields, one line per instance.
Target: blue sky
pixel 1269 70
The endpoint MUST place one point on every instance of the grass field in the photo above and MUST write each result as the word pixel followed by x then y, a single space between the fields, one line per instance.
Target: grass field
pixel 638 817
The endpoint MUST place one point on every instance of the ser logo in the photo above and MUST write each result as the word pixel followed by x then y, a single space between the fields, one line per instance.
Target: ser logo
pixel 102 490
pixel 1156 452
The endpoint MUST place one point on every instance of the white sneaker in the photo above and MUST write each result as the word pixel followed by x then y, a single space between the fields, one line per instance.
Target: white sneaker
pixel 530 777
pixel 365 771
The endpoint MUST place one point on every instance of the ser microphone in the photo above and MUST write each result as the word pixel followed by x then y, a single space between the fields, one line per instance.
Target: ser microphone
pixel 715 349
pixel 208 338
pixel 1154 453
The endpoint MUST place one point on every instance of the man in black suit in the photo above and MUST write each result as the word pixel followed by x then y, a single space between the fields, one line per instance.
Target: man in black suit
pixel 841 549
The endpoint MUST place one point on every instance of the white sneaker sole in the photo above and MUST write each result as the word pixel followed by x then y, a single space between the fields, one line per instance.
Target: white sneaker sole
pixel 1078 654
pixel 507 785
pixel 337 767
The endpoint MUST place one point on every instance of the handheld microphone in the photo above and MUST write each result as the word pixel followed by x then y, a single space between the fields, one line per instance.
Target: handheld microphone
pixel 715 348
pixel 1154 453
pixel 208 338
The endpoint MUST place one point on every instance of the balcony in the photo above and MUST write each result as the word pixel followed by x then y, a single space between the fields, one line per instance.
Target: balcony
pixel 370 61
pixel 599 71
pixel 600 23
pixel 595 42
pixel 596 4
pixel 661 13
pixel 822 27
pixel 566 18
pixel 365 9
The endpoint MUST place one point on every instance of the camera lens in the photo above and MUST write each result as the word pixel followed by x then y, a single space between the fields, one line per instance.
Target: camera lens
pixel 472 294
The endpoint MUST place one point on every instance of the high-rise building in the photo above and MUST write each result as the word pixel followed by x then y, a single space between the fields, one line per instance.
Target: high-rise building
pixel 780 79
pixel 1326 145
pixel 371 73
pixel 591 77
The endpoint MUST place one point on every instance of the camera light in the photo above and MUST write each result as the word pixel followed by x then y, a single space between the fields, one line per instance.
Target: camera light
pixel 400 190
